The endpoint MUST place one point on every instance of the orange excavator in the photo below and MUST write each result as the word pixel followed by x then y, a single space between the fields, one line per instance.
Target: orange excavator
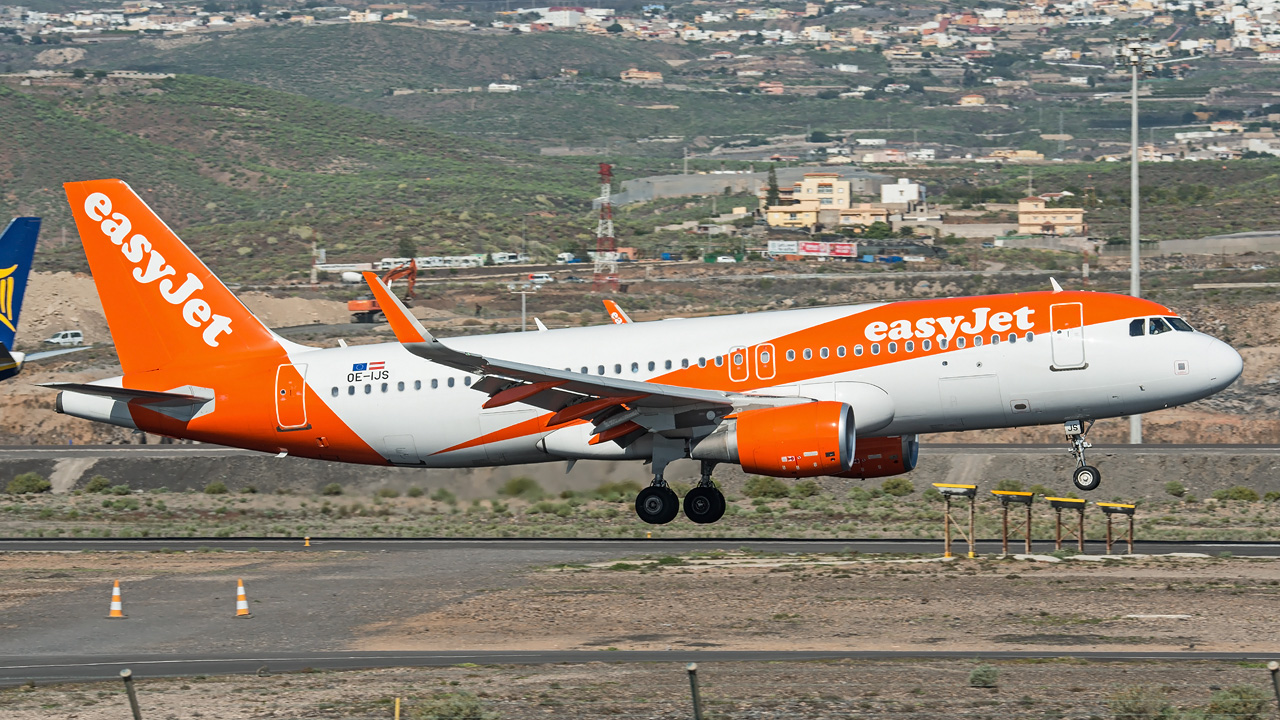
pixel 365 309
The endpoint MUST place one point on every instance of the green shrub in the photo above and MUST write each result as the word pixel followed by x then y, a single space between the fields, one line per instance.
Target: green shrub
pixel 859 494
pixel 414 491
pixel 1239 702
pixel 28 482
pixel 121 489
pixel 760 486
pixel 898 487
pixel 1009 485
pixel 388 493
pixel 97 484
pixel 451 706
pixel 444 496
pixel 932 494
pixel 1140 703
pixel 1238 492
pixel 1039 489
pixel 1175 488
pixel 1271 496
pixel 984 676
pixel 617 490
pixel 522 487
pixel 248 490
pixel 805 488
pixel 331 489
pixel 217 487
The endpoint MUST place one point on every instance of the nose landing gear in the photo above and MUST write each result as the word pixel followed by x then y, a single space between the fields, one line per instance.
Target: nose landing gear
pixel 1086 477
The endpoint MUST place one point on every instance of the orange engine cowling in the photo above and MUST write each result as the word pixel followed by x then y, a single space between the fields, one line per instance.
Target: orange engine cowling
pixel 883 457
pixel 803 440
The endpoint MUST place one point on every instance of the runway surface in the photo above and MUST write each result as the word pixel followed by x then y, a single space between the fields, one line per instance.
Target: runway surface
pixel 56 669
pixel 606 546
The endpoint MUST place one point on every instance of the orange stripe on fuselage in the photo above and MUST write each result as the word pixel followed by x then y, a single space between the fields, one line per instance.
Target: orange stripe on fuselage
pixel 851 330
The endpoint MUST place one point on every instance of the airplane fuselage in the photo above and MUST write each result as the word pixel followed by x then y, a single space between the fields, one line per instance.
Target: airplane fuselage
pixel 905 368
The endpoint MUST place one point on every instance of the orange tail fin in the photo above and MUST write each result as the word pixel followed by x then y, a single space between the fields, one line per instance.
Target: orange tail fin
pixel 164 307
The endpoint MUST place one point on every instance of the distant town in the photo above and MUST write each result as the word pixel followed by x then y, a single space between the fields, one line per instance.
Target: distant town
pixel 964 58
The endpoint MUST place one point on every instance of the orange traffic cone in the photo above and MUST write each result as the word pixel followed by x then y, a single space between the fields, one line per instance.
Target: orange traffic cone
pixel 242 603
pixel 117 610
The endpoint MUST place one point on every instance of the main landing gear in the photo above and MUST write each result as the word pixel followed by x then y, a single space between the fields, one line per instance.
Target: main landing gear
pixel 1086 477
pixel 658 504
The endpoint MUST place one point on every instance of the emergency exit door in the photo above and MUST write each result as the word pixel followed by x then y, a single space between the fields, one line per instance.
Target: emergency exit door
pixel 291 397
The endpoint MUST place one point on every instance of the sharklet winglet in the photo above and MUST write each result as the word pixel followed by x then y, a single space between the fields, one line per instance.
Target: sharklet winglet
pixel 1056 287
pixel 413 336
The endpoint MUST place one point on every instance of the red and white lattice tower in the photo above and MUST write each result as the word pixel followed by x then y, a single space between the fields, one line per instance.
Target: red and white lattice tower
pixel 606 275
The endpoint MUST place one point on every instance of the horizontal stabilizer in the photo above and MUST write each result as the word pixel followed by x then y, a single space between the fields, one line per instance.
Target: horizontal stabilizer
pixel 142 397
pixel 46 354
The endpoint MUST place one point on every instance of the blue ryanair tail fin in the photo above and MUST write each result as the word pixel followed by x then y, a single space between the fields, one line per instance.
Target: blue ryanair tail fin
pixel 17 248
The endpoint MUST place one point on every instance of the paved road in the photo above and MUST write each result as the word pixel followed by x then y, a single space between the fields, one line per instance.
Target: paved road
pixel 89 668
pixel 605 547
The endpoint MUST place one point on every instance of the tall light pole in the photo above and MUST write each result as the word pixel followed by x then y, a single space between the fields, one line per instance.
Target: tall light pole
pixel 524 291
pixel 1137 53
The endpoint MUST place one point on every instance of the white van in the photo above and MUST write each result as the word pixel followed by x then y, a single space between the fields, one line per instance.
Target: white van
pixel 540 278
pixel 66 337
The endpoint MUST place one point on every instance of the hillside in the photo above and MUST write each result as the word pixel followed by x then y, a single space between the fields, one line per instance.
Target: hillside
pixel 355 62
pixel 243 171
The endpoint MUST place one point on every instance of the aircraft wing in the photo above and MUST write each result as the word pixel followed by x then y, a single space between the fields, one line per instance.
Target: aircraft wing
pixel 570 395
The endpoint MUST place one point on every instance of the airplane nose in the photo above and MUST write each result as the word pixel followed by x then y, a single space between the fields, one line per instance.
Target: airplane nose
pixel 1222 364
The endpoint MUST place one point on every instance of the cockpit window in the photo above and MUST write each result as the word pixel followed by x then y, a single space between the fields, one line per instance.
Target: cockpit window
pixel 1157 326
pixel 1179 324
pixel 1137 327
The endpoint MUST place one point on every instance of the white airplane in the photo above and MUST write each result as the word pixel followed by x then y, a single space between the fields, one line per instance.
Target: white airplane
pixel 841 391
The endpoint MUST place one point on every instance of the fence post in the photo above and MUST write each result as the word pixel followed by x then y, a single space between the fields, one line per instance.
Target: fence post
pixel 127 676
pixel 1274 667
pixel 693 689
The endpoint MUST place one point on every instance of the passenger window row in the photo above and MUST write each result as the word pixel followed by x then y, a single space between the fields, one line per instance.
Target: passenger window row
pixel 400 386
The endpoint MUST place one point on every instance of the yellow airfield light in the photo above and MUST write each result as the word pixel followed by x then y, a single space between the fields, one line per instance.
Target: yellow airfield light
pixel 1014 496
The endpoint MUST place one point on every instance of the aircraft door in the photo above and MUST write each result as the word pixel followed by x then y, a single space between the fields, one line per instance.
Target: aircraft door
pixel 739 367
pixel 401 449
pixel 1066 325
pixel 765 361
pixel 291 397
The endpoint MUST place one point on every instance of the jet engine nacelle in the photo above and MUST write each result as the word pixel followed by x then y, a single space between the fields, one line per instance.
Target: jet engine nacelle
pixel 884 457
pixel 804 440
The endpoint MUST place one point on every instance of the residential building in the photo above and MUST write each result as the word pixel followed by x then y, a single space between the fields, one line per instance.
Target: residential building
pixel 642 77
pixel 797 215
pixel 1035 218
pixel 973 100
pixel 863 214
pixel 903 192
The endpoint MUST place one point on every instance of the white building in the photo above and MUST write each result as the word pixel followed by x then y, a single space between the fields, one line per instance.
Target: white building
pixel 903 192
pixel 503 88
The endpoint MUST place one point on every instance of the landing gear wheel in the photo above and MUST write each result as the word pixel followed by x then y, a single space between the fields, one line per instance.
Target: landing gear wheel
pixel 657 505
pixel 1087 478
pixel 704 505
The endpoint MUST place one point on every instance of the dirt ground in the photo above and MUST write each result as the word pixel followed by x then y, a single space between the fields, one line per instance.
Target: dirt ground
pixel 905 690
pixel 722 600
